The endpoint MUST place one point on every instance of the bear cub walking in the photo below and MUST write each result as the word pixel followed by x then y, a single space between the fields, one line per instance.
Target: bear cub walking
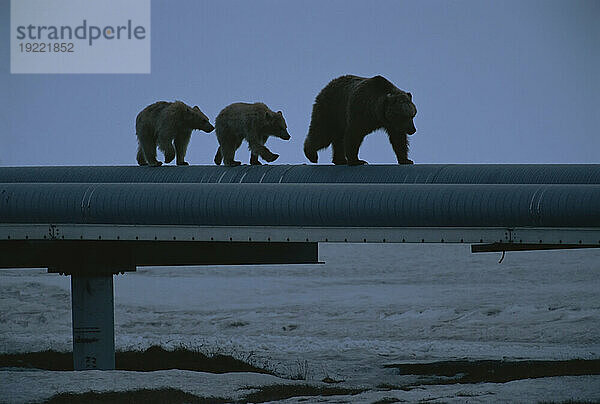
pixel 351 107
pixel 168 125
pixel 253 122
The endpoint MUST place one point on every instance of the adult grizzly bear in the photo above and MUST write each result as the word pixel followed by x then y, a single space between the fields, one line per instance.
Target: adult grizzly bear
pixel 167 123
pixel 351 107
pixel 253 122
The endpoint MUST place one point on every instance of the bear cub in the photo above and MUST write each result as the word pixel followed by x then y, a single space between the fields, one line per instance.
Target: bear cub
pixel 351 107
pixel 168 125
pixel 253 122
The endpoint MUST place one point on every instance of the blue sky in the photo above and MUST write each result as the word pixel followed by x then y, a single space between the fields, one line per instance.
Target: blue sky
pixel 494 82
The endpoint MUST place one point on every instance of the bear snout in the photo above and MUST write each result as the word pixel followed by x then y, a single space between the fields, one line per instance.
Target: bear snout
pixel 285 135
pixel 208 128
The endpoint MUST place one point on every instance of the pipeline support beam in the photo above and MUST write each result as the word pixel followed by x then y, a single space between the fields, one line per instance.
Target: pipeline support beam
pixel 93 311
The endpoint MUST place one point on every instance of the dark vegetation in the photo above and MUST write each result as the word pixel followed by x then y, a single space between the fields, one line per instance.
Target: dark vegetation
pixel 570 402
pixel 285 391
pixel 497 371
pixel 173 396
pixel 147 396
pixel 157 358
pixel 386 400
pixel 153 358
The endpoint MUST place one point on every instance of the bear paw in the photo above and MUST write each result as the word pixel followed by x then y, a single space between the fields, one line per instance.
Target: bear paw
pixel 155 163
pixel 311 155
pixel 356 162
pixel 407 161
pixel 271 158
pixel 183 163
pixel 233 163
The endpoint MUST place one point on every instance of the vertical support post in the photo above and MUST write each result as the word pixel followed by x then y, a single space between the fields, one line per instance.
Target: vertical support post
pixel 93 308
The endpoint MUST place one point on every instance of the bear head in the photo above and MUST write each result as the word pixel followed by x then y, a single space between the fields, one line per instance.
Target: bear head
pixel 399 112
pixel 276 126
pixel 191 118
pixel 197 120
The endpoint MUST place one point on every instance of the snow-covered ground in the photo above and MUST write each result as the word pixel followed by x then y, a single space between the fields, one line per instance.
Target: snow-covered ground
pixel 367 306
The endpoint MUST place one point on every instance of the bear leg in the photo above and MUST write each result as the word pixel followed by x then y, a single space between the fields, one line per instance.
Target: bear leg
pixel 315 141
pixel 165 143
pixel 181 143
pixel 229 142
pixel 169 152
pixel 352 143
pixel 254 160
pixel 339 152
pixel 148 146
pixel 228 157
pixel 141 159
pixel 218 156
pixel 400 145
pixel 310 153
pixel 262 151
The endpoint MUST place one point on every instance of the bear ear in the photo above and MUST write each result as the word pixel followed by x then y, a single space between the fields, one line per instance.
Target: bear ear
pixel 409 96
pixel 196 108
pixel 280 113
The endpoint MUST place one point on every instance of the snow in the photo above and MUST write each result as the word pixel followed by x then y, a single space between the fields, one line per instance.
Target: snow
pixel 367 306
pixel 35 386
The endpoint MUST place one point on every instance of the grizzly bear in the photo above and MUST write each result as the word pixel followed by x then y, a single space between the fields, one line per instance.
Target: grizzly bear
pixel 351 107
pixel 253 122
pixel 167 124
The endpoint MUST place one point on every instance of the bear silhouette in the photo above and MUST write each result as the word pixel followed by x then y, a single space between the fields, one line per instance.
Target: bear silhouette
pixel 252 122
pixel 351 107
pixel 168 125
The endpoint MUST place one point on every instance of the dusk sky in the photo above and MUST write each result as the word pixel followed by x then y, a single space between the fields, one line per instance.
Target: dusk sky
pixel 493 81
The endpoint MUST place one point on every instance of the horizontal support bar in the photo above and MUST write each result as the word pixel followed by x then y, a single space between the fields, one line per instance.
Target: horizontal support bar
pixel 467 235
pixel 102 256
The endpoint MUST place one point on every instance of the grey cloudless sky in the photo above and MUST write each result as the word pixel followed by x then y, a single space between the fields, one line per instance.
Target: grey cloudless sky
pixel 493 81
